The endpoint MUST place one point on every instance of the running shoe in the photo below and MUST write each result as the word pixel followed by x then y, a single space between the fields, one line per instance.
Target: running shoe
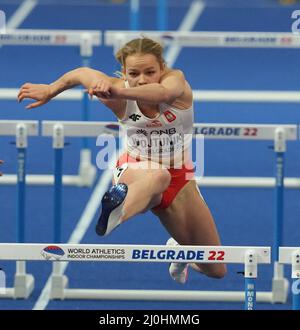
pixel 112 204
pixel 177 270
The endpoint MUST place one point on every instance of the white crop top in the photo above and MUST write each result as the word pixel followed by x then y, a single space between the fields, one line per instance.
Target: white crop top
pixel 160 139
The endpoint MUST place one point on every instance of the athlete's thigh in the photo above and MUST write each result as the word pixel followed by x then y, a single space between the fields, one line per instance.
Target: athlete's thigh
pixel 188 219
pixel 131 172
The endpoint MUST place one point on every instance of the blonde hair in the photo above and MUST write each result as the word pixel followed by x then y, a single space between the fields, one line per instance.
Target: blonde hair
pixel 140 46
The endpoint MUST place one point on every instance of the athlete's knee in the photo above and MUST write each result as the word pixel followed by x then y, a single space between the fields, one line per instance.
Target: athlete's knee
pixel 217 271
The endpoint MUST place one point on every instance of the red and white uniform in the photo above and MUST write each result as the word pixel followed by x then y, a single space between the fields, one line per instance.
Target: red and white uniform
pixel 163 139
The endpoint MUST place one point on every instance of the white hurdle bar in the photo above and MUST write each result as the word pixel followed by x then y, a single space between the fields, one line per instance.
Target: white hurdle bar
pixel 291 256
pixel 70 129
pixel 23 282
pixel 86 39
pixel 226 39
pixel 248 255
pixel 210 131
pixel 255 132
pixel 207 39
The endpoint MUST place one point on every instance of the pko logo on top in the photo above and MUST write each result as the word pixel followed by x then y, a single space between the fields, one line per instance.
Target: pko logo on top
pixel 2 22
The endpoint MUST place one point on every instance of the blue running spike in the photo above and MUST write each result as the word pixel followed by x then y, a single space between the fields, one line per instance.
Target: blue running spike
pixel 112 203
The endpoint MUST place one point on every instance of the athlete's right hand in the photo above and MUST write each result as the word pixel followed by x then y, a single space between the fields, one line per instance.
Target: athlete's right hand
pixel 39 92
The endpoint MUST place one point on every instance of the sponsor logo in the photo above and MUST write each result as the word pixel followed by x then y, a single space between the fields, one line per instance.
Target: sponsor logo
pixel 167 255
pixel 169 116
pixel 217 131
pixel 52 252
pixel 26 38
pixel 250 296
pixel 226 131
pixel 141 132
pixel 95 254
pixel 134 117
pixel 168 131
pixel 251 40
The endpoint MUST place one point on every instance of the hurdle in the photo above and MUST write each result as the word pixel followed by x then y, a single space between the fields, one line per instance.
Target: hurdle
pixel 58 131
pixel 248 255
pixel 85 40
pixel 23 282
pixel 277 133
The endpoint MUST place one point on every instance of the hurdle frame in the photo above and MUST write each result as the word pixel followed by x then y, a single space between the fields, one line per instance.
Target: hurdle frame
pixel 249 256
pixel 21 130
pixel 58 130
pixel 85 40
pixel 279 134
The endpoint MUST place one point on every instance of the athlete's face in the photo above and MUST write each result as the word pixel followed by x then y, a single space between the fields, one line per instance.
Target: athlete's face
pixel 141 69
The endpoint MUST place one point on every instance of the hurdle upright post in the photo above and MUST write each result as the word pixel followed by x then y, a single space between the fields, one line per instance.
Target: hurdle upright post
pixel 162 14
pixel 87 171
pixel 279 283
pixel 134 15
pixel 23 282
pixel 21 144
pixel 58 145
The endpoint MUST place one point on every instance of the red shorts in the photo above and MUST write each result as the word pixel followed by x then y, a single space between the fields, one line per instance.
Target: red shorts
pixel 179 177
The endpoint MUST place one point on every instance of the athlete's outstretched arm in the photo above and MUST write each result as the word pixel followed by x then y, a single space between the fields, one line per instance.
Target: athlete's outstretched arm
pixel 43 93
pixel 169 89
